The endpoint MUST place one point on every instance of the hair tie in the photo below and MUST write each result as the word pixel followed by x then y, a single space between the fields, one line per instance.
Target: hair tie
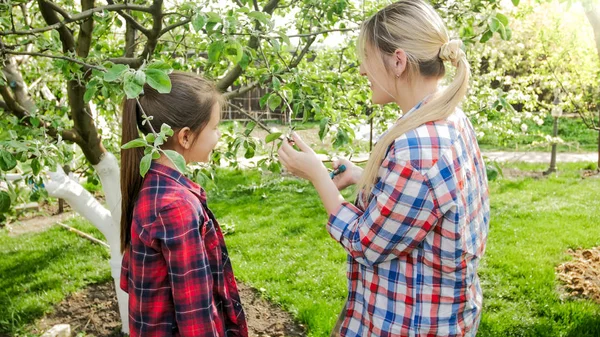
pixel 451 51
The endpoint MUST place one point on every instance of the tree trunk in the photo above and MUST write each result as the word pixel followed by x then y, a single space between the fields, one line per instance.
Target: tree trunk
pixel 107 220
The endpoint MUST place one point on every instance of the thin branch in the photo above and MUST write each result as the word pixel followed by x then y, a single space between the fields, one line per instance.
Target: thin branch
pixel 77 17
pixel 130 20
pixel 321 32
pixel 173 26
pixel 70 59
pixel 255 2
pixel 259 123
pixel 240 91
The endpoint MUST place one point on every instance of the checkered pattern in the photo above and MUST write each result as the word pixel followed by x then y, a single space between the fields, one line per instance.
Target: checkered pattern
pixel 415 243
pixel 177 270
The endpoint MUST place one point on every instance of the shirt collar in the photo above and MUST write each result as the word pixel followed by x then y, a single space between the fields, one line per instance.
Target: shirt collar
pixel 174 174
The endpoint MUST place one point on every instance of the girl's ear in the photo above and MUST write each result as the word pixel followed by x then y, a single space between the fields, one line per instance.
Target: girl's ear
pixel 399 62
pixel 185 138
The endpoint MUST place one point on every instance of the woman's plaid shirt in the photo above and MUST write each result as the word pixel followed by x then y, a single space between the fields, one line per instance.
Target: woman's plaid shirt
pixel 414 245
pixel 177 270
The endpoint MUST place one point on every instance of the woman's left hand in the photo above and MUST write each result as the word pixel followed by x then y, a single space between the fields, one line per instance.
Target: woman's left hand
pixel 304 163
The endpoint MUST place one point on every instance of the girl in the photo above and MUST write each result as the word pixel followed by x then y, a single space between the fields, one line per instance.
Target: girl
pixel 175 265
pixel 417 232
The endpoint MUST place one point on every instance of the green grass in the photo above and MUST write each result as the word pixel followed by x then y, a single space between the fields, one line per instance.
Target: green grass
pixel 281 246
pixel 577 138
pixel 39 270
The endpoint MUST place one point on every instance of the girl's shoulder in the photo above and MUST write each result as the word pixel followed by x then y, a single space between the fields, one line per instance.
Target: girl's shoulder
pixel 161 193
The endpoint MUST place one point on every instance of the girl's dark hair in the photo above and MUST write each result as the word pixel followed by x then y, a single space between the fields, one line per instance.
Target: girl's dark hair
pixel 189 104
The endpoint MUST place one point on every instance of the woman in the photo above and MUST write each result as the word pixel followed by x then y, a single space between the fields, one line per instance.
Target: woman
pixel 418 229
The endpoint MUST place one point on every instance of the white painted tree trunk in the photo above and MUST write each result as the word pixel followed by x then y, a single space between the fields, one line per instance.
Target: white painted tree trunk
pixel 106 219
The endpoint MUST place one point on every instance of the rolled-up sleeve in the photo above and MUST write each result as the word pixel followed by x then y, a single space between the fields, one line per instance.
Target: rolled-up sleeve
pixel 401 212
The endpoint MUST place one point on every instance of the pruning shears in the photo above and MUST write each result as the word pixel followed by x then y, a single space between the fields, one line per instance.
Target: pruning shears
pixel 340 169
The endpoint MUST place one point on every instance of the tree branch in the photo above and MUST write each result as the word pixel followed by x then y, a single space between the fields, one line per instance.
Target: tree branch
pixel 236 72
pixel 59 10
pixel 56 24
pixel 66 37
pixel 259 123
pixel 240 91
pixel 326 31
pixel 84 38
pixel 173 26
pixel 12 106
pixel 130 20
pixel 70 59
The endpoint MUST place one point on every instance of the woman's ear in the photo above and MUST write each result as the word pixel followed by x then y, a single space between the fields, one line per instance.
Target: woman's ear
pixel 185 138
pixel 399 65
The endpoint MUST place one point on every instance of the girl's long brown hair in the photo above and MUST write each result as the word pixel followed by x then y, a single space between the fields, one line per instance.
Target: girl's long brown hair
pixel 189 104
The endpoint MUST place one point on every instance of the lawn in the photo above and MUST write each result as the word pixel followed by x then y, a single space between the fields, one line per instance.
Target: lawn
pixel 280 246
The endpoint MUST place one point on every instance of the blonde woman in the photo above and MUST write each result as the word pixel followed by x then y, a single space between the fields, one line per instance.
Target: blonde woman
pixel 418 229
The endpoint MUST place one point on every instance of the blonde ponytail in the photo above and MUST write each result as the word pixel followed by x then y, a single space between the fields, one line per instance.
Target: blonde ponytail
pixel 415 27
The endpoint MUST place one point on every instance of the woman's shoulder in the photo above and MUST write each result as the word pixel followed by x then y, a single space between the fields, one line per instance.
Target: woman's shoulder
pixel 423 146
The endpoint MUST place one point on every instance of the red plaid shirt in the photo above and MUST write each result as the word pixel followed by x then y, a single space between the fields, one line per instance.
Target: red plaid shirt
pixel 177 270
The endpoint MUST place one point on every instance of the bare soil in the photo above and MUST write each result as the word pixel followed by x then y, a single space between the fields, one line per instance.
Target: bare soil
pixel 94 312
pixel 581 277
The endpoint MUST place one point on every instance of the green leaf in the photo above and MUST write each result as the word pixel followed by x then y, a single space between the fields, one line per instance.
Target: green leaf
pixel 238 51
pixel 166 129
pixel 515 2
pixel 113 73
pixel 263 100
pixel 89 93
pixel 249 128
pixel 262 17
pixel 145 164
pixel 486 36
pixel 7 161
pixel 274 102
pixel 150 138
pixel 160 65
pixel 273 136
pixel 276 83
pixel 140 77
pixel 214 51
pixel 35 166
pixel 177 159
pixel 4 202
pixel 139 142
pixel 494 24
pixel 131 87
pixel 250 149
pixel 323 126
pixel 198 21
pixel 159 80
pixel 502 18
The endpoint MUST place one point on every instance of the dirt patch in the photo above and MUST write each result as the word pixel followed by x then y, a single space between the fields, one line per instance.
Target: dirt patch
pixel 581 276
pixel 37 224
pixel 95 312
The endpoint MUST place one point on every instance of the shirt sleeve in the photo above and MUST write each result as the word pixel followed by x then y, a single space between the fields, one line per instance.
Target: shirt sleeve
pixel 401 212
pixel 177 232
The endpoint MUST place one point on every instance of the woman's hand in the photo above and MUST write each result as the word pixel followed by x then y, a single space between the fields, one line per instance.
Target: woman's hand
pixel 349 177
pixel 304 163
